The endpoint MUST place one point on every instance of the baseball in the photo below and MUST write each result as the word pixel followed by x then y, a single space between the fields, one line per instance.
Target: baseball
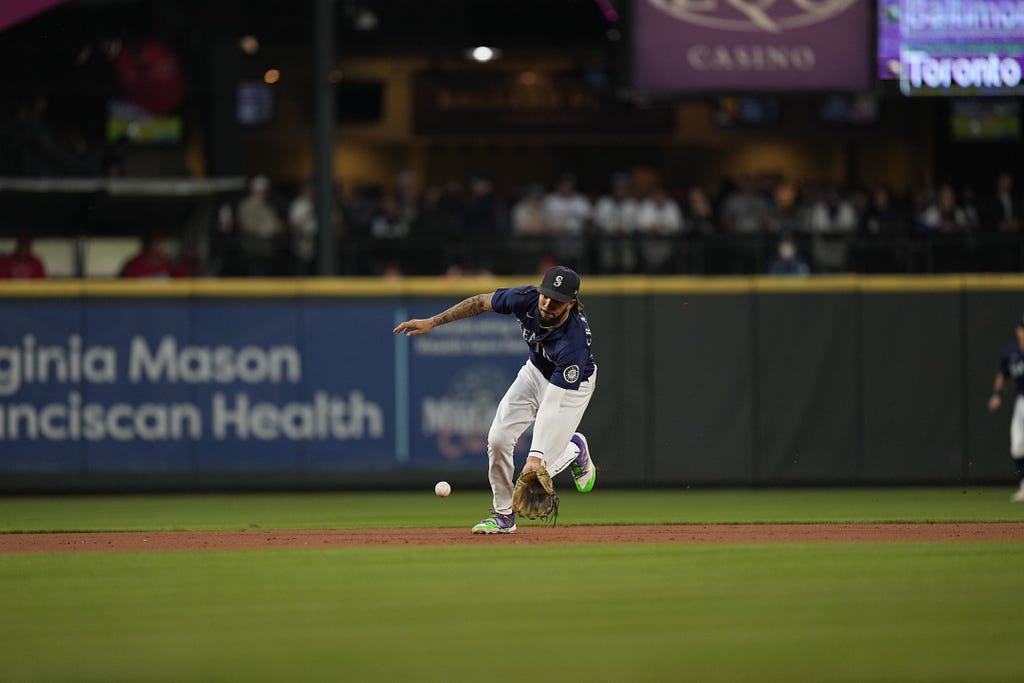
pixel 442 489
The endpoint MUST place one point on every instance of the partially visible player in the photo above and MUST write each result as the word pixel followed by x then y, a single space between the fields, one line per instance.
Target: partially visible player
pixel 1011 366
pixel 552 390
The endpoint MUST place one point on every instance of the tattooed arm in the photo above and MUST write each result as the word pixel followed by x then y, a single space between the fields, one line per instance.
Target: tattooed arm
pixel 467 308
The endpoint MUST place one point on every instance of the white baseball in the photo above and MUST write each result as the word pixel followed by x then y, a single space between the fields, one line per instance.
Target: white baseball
pixel 442 489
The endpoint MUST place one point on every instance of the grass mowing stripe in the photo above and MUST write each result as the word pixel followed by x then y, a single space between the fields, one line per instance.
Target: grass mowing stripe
pixel 464 508
pixel 807 612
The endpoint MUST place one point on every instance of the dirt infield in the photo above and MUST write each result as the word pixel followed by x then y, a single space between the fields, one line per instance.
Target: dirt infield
pixel 526 535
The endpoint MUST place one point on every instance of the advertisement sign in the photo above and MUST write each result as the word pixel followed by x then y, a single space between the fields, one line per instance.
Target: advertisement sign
pixel 742 45
pixel 457 374
pixel 97 385
pixel 952 47
pixel 543 104
pixel 178 385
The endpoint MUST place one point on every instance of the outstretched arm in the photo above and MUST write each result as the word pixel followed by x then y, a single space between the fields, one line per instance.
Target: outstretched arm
pixel 467 308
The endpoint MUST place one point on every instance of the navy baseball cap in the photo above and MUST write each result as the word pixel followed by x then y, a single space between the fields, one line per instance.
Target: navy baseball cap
pixel 560 283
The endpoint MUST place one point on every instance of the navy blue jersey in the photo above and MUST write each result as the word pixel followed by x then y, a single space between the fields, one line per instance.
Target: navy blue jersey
pixel 563 354
pixel 1012 367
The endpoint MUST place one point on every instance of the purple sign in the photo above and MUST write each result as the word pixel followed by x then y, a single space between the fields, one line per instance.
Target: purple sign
pixel 751 45
pixel 951 47
pixel 939 72
pixel 889 38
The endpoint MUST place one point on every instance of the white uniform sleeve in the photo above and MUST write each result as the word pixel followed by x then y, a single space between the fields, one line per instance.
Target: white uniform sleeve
pixel 551 430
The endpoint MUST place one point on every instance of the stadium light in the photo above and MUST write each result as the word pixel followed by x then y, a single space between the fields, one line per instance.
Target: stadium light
pixel 483 54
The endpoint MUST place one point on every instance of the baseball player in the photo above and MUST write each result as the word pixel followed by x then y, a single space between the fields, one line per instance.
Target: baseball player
pixel 552 389
pixel 1012 366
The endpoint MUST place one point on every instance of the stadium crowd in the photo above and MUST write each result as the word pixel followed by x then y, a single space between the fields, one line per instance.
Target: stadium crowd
pixel 754 224
pixel 635 222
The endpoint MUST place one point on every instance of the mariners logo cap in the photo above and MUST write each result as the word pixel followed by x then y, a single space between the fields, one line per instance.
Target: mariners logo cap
pixel 560 283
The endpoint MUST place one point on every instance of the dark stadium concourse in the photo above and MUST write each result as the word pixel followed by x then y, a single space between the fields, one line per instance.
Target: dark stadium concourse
pixel 439 130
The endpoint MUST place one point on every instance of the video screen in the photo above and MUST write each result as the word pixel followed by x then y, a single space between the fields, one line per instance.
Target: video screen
pixel 951 47
pixel 847 109
pixel 130 123
pixel 746 110
pixel 984 120
pixel 255 104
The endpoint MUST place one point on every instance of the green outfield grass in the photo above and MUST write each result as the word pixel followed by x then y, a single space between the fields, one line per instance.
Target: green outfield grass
pixel 837 612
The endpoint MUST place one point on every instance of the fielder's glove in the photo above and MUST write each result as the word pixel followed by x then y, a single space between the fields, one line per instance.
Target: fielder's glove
pixel 534 496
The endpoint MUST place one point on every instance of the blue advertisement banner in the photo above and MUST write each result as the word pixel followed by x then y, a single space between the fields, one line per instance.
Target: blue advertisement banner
pixel 129 385
pixel 457 374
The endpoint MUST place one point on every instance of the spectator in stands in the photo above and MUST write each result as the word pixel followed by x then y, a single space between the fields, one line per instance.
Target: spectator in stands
pixel 528 212
pixel 22 263
pixel 150 261
pixel 360 209
pixel 788 260
pixel 615 217
pixel 927 215
pixel 567 214
pixel 390 223
pixel 458 269
pixel 432 221
pixel 952 218
pixel 784 210
pixel 950 255
pixel 260 229
pixel 302 223
pixel 1003 210
pixel 830 212
pixel 189 263
pixel 699 213
pixel 885 227
pixel 832 221
pixel 479 227
pixel 744 216
pixel 566 211
pixel 883 218
pixel 659 223
pixel 860 202
pixel 407 196
pixel 971 212
pixel 744 210
pixel 480 213
pixel 452 204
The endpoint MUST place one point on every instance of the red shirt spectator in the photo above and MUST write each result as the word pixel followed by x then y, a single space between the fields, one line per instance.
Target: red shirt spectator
pixel 22 263
pixel 150 262
pixel 189 265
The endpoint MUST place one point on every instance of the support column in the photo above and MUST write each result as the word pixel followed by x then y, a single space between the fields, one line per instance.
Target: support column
pixel 223 136
pixel 323 134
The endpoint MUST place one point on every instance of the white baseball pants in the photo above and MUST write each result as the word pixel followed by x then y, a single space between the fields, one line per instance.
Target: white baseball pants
pixel 517 410
pixel 1017 429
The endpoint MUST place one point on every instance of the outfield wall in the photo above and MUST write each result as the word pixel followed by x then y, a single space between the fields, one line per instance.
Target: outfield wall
pixel 300 383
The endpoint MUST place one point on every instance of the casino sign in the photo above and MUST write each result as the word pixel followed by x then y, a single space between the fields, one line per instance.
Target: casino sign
pixel 736 45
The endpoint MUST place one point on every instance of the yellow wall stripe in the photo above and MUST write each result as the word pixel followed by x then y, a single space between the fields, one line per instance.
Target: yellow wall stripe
pixel 433 286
